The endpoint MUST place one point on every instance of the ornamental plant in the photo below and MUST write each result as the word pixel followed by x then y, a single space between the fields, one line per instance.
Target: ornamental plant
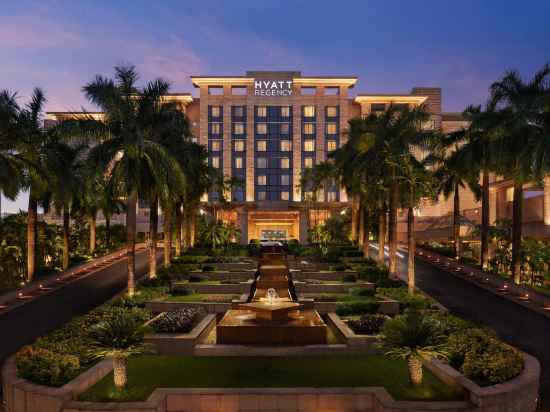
pixel 369 324
pixel 411 337
pixel 177 321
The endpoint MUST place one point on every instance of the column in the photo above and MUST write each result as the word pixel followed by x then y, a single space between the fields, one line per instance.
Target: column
pixel 242 217
pixel 303 226
pixel 546 200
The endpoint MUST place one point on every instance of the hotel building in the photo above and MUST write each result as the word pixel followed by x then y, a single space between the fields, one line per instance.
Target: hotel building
pixel 265 127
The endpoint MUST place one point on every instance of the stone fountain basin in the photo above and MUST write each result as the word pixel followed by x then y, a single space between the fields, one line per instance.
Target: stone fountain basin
pixel 276 311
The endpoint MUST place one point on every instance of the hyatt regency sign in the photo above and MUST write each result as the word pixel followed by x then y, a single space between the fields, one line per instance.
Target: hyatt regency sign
pixel 273 88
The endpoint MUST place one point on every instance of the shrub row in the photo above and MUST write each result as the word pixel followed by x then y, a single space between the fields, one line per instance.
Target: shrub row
pixel 177 321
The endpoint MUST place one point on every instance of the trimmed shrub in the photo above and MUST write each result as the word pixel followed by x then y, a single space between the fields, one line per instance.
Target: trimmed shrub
pixel 196 279
pixel 339 268
pixel 356 308
pixel 363 292
pixel 406 301
pixel 349 278
pixel 181 291
pixel 177 321
pixel 481 357
pixel 370 324
pixel 352 253
pixel 207 268
pixel 46 367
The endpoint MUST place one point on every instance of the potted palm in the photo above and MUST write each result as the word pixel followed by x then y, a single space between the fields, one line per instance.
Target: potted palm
pixel 118 338
pixel 412 337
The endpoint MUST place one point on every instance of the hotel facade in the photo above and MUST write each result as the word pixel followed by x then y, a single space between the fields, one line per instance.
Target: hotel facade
pixel 264 128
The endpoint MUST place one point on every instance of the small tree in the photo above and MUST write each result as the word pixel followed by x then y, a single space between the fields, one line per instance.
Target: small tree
pixel 118 338
pixel 412 338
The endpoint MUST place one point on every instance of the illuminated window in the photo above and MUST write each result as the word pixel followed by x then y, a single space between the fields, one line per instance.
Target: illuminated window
pixel 215 90
pixel 238 145
pixel 285 195
pixel 238 162
pixel 261 162
pixel 332 111
pixel 285 163
pixel 308 162
pixel 308 195
pixel 331 128
pixel 261 195
pixel 510 194
pixel 238 128
pixel 262 180
pixel 261 111
pixel 285 111
pixel 309 128
pixel 285 180
pixel 215 162
pixel 216 145
pixel 285 128
pixel 308 90
pixel 332 91
pixel 309 111
pixel 239 91
pixel 261 128
pixel 215 128
pixel 215 111
pixel 286 145
pixel 309 145
pixel 331 145
pixel 261 145
pixel 331 196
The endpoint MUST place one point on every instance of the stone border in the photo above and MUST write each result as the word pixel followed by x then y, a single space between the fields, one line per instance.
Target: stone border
pixel 304 287
pixel 215 288
pixel 366 343
pixel 159 306
pixel 181 343
pixel 387 306
pixel 517 395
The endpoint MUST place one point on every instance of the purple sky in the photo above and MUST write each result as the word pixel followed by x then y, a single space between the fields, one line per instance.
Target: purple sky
pixel 390 45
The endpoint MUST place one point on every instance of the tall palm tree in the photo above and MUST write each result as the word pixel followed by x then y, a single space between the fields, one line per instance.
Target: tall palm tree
pixel 523 150
pixel 128 154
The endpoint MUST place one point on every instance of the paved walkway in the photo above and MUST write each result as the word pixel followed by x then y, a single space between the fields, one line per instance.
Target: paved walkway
pixel 514 323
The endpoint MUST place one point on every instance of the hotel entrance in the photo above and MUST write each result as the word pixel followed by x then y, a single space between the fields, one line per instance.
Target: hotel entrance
pixel 273 234
pixel 273 225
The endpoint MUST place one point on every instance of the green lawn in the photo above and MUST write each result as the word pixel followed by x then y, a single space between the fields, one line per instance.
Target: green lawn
pixel 145 373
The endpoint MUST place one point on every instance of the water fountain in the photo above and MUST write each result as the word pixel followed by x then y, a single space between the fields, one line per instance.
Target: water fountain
pixel 271 315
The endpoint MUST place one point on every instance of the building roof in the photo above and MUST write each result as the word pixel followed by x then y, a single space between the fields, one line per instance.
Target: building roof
pixel 390 98
pixel 452 117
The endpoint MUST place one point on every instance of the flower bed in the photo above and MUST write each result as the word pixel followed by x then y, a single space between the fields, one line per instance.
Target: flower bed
pixel 177 321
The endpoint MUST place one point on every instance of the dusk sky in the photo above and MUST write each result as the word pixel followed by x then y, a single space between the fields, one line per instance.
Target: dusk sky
pixel 390 45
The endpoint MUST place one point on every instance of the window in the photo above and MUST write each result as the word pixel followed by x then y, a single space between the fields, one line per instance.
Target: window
pixel 238 91
pixel 285 195
pixel 215 128
pixel 215 162
pixel 261 145
pixel 428 125
pixel 285 111
pixel 308 162
pixel 309 145
pixel 215 90
pixel 332 111
pixel 285 180
pixel 331 196
pixel 286 145
pixel 238 145
pixel 261 162
pixel 238 111
pixel 285 163
pixel 308 90
pixel 377 107
pixel 309 128
pixel 215 145
pixel 238 128
pixel 331 145
pixel 332 91
pixel 308 111
pixel 238 162
pixel 261 128
pixel 261 111
pixel 308 195
pixel 261 195
pixel 331 128
pixel 285 128
pixel 262 180
pixel 510 194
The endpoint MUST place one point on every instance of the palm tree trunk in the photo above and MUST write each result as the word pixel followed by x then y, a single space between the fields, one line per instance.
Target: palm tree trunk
pixel 485 220
pixel 177 228
pixel 392 228
pixel 66 239
pixel 32 217
pixel 366 233
pixel 516 231
pixel 184 230
pixel 411 243
pixel 167 229
pixel 119 371
pixel 153 225
pixel 354 205
pixel 456 221
pixel 92 223
pixel 131 241
pixel 107 231
pixel 415 369
pixel 361 234
pixel 192 229
pixel 382 223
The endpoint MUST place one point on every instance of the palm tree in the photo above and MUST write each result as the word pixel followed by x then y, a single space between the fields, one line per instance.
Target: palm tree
pixel 412 338
pixel 128 154
pixel 522 147
pixel 118 338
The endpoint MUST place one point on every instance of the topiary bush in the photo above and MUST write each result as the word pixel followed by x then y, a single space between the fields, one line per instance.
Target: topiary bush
pixel 177 321
pixel 349 278
pixel 356 308
pixel 480 356
pixel 369 324
pixel 363 292
pixel 46 367
pixel 207 268
pixel 196 279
